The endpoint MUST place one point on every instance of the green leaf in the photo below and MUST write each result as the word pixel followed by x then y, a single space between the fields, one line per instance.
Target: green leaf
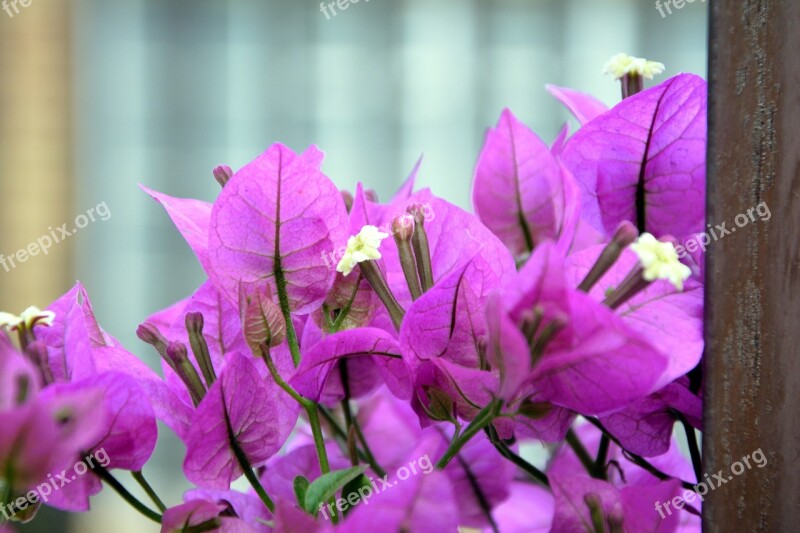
pixel 353 487
pixel 300 488
pixel 325 487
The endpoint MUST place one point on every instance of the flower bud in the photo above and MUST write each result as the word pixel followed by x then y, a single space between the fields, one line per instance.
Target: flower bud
pixel 403 227
pixel 223 174
pixel 441 406
pixel 348 200
pixel 403 230
pixel 262 320
pixel 194 328
pixel 150 334
pixel 178 359
pixel 422 251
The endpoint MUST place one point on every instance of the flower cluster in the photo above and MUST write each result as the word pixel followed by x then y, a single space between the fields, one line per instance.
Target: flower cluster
pixel 557 313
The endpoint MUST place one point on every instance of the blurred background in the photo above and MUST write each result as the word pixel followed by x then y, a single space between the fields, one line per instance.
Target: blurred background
pixel 97 96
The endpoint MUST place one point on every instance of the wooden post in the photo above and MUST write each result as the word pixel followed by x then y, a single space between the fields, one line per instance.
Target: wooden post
pixel 752 365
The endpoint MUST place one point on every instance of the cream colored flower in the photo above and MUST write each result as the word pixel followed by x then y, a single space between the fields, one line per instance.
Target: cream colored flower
pixel 29 317
pixel 361 247
pixel 660 260
pixel 623 64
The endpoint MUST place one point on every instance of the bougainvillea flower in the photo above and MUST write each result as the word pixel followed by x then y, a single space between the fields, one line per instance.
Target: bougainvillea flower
pixel 443 341
pixel 127 434
pixel 644 160
pixel 454 237
pixel 670 320
pixel 274 222
pixel 45 434
pixel 352 300
pixel 593 362
pixel 233 415
pixel 521 191
pixel 78 348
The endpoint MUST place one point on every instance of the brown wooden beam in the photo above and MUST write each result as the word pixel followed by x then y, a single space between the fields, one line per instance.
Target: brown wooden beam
pixel 752 365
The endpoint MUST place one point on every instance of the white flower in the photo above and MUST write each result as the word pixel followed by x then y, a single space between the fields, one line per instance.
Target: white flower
pixel 660 260
pixel 29 317
pixel 623 64
pixel 361 247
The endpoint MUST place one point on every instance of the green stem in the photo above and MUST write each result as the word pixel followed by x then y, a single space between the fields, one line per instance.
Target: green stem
pixel 599 469
pixel 346 309
pixel 367 451
pixel 120 489
pixel 309 406
pixel 637 459
pixel 276 376
pixel 691 439
pixel 580 451
pixel 283 299
pixel 483 419
pixel 139 477
pixel 509 454
pixel 247 468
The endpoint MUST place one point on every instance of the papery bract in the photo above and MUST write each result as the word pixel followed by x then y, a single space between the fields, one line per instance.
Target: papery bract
pixel 644 160
pixel 241 409
pixel 274 222
pixel 191 217
pixel 127 437
pixel 584 106
pixel 520 191
pixel 670 320
pixel 370 353
pixel 78 348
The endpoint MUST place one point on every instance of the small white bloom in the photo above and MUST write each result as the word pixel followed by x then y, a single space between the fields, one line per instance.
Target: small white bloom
pixel 623 64
pixel 29 317
pixel 361 247
pixel 660 260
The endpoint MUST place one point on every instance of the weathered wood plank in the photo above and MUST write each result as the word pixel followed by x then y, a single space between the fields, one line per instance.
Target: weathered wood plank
pixel 752 366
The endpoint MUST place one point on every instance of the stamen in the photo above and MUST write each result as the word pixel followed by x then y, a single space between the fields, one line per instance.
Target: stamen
pixel 632 71
pixel 37 353
pixel 178 358
pixel 624 236
pixel 422 251
pixel 194 327
pixel 548 333
pixel 151 335
pixel 403 229
pixel 375 278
